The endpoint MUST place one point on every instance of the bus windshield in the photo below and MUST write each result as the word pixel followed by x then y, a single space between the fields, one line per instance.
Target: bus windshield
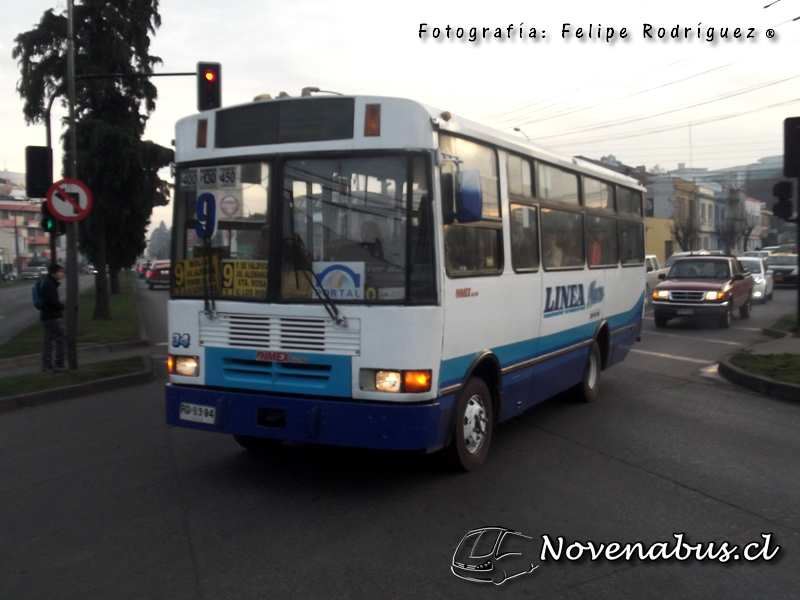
pixel 354 229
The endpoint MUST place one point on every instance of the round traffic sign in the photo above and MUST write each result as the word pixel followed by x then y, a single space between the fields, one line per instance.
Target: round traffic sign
pixel 69 200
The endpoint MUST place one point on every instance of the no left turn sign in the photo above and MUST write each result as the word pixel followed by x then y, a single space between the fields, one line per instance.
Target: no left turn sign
pixel 69 200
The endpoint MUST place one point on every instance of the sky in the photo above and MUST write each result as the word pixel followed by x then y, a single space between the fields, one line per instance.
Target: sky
pixel 645 99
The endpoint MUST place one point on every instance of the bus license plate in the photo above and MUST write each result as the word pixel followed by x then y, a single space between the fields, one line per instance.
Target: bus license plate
pixel 685 311
pixel 198 413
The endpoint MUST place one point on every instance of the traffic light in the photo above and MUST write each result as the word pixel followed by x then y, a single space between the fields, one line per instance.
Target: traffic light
pixel 38 170
pixel 791 147
pixel 783 192
pixel 50 224
pixel 209 86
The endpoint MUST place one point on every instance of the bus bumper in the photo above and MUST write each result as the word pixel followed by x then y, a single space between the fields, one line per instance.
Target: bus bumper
pixel 356 424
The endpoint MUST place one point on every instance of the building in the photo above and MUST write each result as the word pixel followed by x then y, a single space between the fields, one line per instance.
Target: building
pixel 22 241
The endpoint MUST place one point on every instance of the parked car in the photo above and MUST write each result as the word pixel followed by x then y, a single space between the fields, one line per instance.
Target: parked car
pixel 158 273
pixel 784 268
pixel 756 253
pixel 654 269
pixel 770 249
pixel 31 273
pixel 763 282
pixel 703 286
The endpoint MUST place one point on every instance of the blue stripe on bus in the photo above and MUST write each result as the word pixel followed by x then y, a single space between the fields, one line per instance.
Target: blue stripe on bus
pixel 287 373
pixel 453 370
pixel 317 420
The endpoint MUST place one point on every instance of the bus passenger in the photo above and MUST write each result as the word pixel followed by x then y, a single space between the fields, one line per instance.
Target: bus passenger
pixel 551 253
pixel 595 248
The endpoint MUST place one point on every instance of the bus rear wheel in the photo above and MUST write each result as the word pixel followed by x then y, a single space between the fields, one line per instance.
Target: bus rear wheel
pixel 589 387
pixel 472 432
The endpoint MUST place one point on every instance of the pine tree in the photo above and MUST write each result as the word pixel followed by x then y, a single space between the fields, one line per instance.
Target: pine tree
pixel 121 170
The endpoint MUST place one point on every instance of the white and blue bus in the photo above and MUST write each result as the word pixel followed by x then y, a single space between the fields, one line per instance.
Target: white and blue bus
pixel 372 272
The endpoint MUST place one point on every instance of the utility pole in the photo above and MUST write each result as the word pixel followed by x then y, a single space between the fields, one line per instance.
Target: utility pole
pixel 72 227
pixel 53 253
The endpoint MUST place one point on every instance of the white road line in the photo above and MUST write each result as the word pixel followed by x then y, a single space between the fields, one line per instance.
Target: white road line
pixel 739 328
pixel 683 358
pixel 698 339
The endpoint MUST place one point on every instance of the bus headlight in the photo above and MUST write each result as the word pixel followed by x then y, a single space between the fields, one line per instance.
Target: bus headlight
pixel 186 366
pixel 387 381
pixel 715 295
pixel 397 381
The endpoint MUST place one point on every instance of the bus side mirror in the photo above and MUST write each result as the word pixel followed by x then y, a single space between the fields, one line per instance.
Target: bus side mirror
pixel 469 197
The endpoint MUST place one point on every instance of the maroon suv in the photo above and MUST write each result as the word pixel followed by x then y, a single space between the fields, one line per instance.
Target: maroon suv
pixel 703 286
pixel 158 274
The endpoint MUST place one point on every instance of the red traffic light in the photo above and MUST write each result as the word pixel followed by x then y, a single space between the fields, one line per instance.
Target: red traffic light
pixel 209 86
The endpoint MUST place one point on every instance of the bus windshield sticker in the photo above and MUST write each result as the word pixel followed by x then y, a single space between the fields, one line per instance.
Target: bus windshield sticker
pixel 246 278
pixel 341 280
pixel 188 276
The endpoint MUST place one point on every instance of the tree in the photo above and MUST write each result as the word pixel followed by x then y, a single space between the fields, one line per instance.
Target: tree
pixel 160 242
pixel 747 225
pixel 728 232
pixel 111 37
pixel 685 231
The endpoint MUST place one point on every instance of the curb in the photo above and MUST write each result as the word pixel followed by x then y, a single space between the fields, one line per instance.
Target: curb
pixel 764 385
pixel 31 360
pixel 147 375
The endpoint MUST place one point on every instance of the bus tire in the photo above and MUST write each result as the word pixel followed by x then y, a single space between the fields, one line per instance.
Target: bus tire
pixel 473 424
pixel 589 388
pixel 257 444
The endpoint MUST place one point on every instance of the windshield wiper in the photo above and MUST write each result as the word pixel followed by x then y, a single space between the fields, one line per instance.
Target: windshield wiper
pixel 299 250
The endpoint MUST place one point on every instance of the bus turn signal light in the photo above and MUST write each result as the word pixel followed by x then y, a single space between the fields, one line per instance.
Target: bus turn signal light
pixel 416 381
pixel 372 120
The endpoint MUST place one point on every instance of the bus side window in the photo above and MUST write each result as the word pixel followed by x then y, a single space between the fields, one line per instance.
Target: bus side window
pixel 458 250
pixel 562 239
pixel 524 238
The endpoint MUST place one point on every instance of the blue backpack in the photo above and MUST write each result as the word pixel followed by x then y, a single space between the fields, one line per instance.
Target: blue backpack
pixel 38 299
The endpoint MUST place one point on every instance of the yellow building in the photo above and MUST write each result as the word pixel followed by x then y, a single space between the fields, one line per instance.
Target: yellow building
pixel 658 237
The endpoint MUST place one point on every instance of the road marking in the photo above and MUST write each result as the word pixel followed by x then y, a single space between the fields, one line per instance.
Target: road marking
pixel 699 339
pixel 673 357
pixel 739 328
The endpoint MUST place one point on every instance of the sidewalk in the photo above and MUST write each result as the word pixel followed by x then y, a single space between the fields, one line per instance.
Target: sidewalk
pixel 31 364
pixel 772 344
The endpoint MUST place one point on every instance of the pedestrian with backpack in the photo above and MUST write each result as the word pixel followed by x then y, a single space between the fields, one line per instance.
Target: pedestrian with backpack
pixel 50 315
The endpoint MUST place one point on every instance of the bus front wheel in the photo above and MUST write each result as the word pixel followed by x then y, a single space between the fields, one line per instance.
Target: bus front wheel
pixel 473 427
pixel 589 387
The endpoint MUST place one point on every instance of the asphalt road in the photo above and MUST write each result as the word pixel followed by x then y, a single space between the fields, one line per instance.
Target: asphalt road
pixel 101 500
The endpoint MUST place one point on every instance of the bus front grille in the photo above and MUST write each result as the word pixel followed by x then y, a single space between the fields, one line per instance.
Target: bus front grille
pixel 281 334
